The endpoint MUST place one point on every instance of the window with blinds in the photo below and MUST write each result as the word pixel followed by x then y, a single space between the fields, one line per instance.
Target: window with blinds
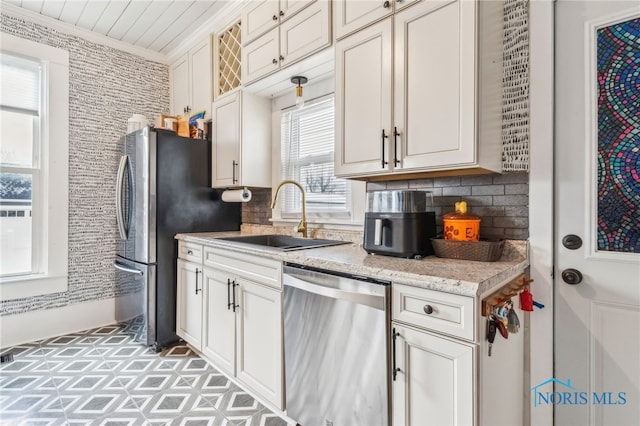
pixel 307 144
pixel 20 174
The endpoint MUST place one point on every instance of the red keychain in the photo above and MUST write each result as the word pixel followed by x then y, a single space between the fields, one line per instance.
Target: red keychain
pixel 526 300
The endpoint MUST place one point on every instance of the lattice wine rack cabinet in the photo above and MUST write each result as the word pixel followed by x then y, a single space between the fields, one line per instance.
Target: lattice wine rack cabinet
pixel 227 55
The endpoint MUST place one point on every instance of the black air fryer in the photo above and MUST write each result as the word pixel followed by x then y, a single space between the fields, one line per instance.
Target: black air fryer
pixel 397 223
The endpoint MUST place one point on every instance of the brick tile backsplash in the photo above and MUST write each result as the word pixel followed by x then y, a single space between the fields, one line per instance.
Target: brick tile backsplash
pixel 502 201
pixel 258 210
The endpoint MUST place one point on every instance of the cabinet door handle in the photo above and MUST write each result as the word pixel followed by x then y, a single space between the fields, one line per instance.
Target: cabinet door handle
pixel 233 172
pixel 228 294
pixel 275 17
pixel 395 146
pixel 428 309
pixel 282 13
pixel 386 4
pixel 197 272
pixel 189 251
pixel 281 58
pixel 394 369
pixel 384 163
pixel 275 61
pixel 234 306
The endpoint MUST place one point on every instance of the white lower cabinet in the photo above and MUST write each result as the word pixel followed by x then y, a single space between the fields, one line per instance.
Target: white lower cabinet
pixel 433 353
pixel 189 298
pixel 435 379
pixel 242 323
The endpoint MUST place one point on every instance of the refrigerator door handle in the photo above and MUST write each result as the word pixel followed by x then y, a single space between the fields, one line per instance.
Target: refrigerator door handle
pixel 125 268
pixel 119 186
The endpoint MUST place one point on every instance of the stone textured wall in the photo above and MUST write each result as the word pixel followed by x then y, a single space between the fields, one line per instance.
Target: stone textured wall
pixel 106 86
pixel 515 82
pixel 502 201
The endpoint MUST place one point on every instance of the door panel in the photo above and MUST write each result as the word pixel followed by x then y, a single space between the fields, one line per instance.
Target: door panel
pixel 219 341
pixel 226 139
pixel 305 33
pixel 363 101
pixel 434 384
pixel 598 320
pixel 259 351
pixel 138 198
pixel 200 78
pixel 189 303
pixel 140 280
pixel 261 57
pixel 258 17
pixel 434 104
pixel 180 85
pixel 352 15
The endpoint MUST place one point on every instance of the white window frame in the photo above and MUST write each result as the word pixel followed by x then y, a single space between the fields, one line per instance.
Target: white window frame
pixel 52 240
pixel 354 220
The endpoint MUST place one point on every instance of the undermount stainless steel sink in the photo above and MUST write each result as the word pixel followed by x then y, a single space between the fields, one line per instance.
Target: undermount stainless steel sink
pixel 282 242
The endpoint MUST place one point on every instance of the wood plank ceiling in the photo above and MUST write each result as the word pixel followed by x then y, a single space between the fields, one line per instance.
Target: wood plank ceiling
pixel 156 25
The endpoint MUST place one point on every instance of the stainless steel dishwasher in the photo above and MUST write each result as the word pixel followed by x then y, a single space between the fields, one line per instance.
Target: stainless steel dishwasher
pixel 336 347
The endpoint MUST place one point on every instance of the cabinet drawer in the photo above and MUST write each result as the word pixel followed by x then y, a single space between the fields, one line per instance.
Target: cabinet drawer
pixel 255 268
pixel 450 313
pixel 190 251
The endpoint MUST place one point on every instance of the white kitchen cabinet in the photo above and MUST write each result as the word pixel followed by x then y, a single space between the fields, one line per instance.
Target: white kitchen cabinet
pixel 443 110
pixel 443 372
pixel 363 101
pixel 260 16
pixel 434 382
pixel 219 340
pixel 191 78
pixel 189 301
pixel 353 15
pixel 243 320
pixel 241 138
pixel 302 34
pixel 179 77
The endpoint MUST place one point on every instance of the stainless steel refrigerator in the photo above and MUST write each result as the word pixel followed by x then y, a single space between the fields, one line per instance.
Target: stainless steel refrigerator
pixel 163 188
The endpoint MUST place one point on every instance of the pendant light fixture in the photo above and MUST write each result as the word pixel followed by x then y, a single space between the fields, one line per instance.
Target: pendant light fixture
pixel 299 81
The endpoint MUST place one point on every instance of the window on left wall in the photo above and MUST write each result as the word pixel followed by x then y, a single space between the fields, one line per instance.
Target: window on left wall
pixel 34 115
pixel 20 178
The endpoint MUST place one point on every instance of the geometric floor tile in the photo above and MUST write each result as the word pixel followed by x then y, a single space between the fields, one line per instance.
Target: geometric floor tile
pixel 104 377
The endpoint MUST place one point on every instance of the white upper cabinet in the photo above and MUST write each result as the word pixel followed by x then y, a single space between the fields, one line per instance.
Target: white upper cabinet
pixel 191 77
pixel 434 85
pixel 260 16
pixel 288 8
pixel 444 92
pixel 200 62
pixel 352 15
pixel 303 33
pixel 179 76
pixel 363 100
pixel 241 138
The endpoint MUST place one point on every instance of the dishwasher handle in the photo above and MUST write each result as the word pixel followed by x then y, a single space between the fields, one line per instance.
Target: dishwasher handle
pixel 372 300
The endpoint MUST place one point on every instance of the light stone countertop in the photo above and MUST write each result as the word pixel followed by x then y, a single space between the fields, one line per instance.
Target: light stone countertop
pixel 468 278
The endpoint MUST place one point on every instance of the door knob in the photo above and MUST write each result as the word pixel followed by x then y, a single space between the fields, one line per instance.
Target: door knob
pixel 572 242
pixel 572 276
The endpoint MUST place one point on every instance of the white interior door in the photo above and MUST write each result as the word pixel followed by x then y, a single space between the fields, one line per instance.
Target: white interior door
pixel 597 140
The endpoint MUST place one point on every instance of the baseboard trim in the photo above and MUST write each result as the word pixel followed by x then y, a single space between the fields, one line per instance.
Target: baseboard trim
pixel 37 325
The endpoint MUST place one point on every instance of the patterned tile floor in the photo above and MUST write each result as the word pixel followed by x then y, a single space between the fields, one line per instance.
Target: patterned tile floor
pixel 103 377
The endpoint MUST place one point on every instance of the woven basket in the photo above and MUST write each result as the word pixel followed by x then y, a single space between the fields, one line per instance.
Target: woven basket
pixel 483 250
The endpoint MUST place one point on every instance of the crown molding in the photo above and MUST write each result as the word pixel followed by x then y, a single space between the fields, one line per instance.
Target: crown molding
pixel 28 15
pixel 224 18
